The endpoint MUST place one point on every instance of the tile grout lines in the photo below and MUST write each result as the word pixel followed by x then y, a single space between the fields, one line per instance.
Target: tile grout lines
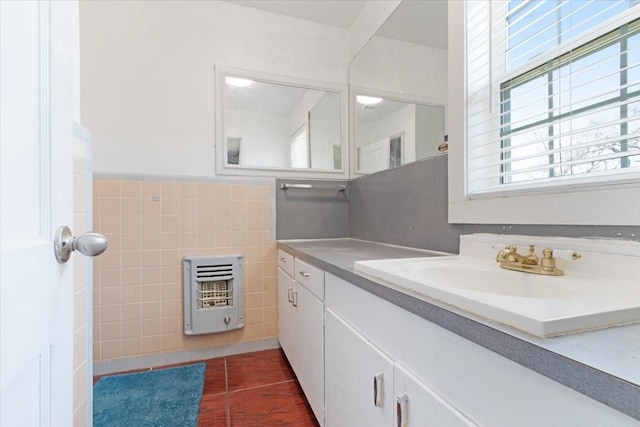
pixel 226 394
pixel 263 386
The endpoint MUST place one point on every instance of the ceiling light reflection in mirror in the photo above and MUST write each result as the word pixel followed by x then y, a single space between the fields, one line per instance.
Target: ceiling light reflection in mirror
pixel 368 100
pixel 237 81
pixel 392 133
pixel 405 65
pixel 279 126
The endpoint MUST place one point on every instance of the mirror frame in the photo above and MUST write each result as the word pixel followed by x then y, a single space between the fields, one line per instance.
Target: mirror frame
pixel 391 96
pixel 223 168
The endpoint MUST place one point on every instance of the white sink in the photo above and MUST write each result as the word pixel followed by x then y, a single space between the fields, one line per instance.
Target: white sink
pixel 540 305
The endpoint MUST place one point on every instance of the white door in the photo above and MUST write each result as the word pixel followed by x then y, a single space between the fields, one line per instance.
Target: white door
pixel 374 156
pixel 38 97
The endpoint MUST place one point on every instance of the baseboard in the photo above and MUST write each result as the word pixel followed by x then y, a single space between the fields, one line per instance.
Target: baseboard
pixel 144 362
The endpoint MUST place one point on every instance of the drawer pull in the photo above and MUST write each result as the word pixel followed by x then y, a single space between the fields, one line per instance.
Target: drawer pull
pixel 304 274
pixel 283 259
pixel 378 389
pixel 401 410
pixel 295 299
pixel 290 294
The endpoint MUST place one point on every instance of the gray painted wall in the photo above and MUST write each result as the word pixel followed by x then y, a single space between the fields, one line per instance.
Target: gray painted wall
pixel 311 213
pixel 408 206
pixel 404 206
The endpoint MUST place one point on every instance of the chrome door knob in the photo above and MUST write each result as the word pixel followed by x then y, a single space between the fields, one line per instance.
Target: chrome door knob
pixel 89 244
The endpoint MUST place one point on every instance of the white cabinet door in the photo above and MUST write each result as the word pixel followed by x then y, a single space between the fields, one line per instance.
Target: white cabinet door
pixel 418 405
pixel 285 313
pixel 309 343
pixel 358 379
pixel 301 336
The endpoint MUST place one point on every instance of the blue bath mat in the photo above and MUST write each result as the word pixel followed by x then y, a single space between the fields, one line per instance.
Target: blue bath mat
pixel 164 397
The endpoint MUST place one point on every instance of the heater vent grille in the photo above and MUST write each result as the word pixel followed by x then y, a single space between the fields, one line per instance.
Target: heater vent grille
pixel 214 272
pixel 214 293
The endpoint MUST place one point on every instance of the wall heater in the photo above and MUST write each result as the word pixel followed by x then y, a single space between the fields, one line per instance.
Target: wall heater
pixel 213 294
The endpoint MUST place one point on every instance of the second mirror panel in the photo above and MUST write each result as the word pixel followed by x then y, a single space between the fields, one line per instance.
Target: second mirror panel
pixel 391 133
pixel 405 63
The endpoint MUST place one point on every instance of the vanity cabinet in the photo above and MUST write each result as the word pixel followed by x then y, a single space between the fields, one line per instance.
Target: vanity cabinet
pixel 464 382
pixel 364 361
pixel 301 326
pixel 364 387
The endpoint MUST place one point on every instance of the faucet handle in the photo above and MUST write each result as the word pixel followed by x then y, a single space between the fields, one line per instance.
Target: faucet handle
pixel 548 262
pixel 504 253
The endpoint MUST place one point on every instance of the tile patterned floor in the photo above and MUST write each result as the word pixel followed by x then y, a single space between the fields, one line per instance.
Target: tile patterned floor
pixel 252 390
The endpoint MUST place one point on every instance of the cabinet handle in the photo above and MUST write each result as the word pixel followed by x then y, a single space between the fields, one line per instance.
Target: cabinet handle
pixel 304 274
pixel 290 294
pixel 283 259
pixel 378 389
pixel 295 299
pixel 401 410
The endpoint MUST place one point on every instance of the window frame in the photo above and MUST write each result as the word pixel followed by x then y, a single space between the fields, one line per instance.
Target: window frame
pixel 596 204
pixel 497 62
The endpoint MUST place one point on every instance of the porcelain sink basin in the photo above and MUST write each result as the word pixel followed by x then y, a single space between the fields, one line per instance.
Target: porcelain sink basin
pixel 544 306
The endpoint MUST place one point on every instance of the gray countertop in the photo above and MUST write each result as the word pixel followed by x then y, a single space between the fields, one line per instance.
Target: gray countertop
pixel 602 364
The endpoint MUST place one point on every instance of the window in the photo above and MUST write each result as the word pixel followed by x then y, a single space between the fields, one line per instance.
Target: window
pixel 553 94
pixel 233 150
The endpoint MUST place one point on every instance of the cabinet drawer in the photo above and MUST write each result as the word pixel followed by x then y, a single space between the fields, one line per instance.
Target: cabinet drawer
pixel 310 277
pixel 285 262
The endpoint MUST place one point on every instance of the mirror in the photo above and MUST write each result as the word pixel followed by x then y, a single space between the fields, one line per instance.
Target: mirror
pixel 267 126
pixel 392 133
pixel 403 67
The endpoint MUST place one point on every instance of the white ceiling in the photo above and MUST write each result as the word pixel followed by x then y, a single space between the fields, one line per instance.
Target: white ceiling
pixel 280 99
pixel 264 98
pixel 376 112
pixel 416 21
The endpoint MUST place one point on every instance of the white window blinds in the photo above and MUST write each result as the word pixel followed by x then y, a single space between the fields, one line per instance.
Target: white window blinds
pixel 553 94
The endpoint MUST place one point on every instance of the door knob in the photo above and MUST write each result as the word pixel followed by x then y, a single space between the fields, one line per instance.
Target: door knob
pixel 89 244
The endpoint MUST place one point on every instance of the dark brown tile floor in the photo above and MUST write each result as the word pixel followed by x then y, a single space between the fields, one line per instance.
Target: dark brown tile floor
pixel 253 390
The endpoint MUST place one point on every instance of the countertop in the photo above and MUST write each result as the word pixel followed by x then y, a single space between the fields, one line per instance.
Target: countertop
pixel 602 364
